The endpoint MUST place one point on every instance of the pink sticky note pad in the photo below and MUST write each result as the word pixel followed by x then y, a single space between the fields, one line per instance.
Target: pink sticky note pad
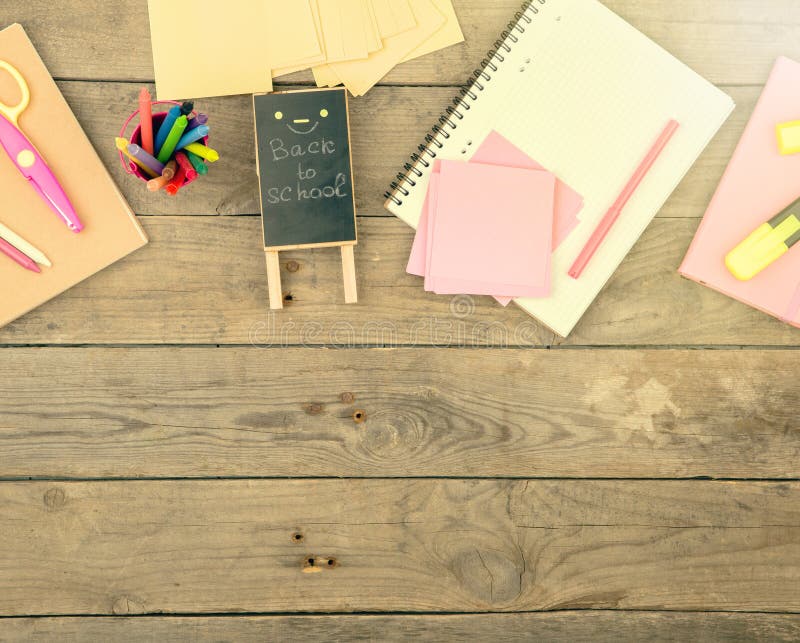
pixel 497 150
pixel 490 230
pixel 448 286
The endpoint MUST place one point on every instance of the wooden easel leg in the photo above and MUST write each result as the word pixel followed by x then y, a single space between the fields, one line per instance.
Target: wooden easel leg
pixel 274 280
pixel 349 271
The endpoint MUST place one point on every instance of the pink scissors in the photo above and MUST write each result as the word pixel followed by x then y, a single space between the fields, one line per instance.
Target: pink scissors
pixel 28 160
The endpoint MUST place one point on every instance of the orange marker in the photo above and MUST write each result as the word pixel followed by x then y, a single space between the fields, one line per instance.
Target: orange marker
pixel 154 185
pixel 146 120
pixel 177 182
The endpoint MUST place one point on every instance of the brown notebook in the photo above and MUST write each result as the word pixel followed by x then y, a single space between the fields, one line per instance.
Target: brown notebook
pixel 111 230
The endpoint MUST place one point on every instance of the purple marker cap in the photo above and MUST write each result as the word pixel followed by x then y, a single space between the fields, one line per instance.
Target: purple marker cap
pixel 197 121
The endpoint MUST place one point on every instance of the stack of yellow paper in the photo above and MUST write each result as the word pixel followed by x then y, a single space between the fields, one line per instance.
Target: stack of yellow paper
pixel 246 43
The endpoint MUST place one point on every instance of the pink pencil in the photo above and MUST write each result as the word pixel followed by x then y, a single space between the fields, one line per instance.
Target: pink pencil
pixel 20 257
pixel 146 120
pixel 612 215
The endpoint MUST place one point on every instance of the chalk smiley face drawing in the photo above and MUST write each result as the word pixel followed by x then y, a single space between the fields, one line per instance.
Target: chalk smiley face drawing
pixel 302 126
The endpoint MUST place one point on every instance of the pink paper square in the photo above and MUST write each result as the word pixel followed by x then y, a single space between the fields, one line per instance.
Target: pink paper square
pixel 490 230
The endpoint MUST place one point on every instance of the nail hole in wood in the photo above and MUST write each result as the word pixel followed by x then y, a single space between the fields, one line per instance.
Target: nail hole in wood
pixel 288 298
pixel 311 561
pixel 359 416
pixel 297 537
pixel 332 562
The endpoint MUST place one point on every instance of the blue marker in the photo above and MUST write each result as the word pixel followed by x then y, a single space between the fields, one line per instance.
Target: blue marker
pixel 169 122
pixel 192 137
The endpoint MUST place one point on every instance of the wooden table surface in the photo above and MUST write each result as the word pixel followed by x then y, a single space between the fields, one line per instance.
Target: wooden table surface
pixel 171 450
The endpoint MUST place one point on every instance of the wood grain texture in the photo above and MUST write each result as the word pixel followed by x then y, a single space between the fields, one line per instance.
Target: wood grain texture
pixel 419 545
pixel 243 406
pixel 428 412
pixel 387 125
pixel 203 281
pixel 729 41
pixel 568 627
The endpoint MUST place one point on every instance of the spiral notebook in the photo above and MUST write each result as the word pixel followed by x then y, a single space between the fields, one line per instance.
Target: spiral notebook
pixel 585 94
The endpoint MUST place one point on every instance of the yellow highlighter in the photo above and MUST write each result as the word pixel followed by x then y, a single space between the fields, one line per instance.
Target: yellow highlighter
pixel 788 138
pixel 766 245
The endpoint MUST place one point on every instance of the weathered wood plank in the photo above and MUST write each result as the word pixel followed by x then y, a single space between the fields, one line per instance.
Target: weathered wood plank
pixel 569 627
pixel 734 41
pixel 93 413
pixel 387 125
pixel 202 280
pixel 417 545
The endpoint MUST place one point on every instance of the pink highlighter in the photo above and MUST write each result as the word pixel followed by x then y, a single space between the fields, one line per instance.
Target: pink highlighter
pixel 28 160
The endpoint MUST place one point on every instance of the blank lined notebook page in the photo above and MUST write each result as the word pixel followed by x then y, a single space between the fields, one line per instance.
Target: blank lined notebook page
pixel 586 95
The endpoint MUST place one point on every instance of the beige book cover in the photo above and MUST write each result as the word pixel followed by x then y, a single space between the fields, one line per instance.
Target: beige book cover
pixel 111 230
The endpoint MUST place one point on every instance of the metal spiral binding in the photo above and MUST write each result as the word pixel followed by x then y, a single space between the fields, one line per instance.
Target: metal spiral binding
pixel 461 103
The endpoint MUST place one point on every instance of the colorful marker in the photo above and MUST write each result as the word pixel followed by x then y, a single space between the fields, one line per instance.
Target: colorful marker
pixel 154 185
pixel 188 168
pixel 210 155
pixel 168 149
pixel 197 121
pixel 21 258
pixel 170 169
pixel 177 182
pixel 768 243
pixel 192 137
pixel 188 180
pixel 122 146
pixel 197 163
pixel 154 164
pixel 169 121
pixel 146 120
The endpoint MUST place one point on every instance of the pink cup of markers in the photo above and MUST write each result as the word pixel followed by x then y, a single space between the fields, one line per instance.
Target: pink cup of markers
pixel 168 150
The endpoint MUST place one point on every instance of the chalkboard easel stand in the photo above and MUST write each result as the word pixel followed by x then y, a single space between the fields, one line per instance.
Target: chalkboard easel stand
pixel 274 277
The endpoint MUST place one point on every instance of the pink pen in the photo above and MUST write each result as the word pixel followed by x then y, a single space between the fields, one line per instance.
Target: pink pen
pixel 20 257
pixel 612 215
pixel 27 158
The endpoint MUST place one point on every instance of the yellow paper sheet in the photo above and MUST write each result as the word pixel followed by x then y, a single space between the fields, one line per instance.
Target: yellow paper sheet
pixel 359 76
pixel 354 28
pixel 235 54
pixel 352 34
pixel 313 60
pixel 325 76
pixel 394 17
pixel 290 31
pixel 449 34
pixel 374 42
pixel 342 28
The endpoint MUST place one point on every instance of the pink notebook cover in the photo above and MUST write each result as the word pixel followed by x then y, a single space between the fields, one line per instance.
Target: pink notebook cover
pixel 492 230
pixel 758 184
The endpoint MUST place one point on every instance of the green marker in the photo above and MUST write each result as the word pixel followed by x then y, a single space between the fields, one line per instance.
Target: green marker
pixel 197 163
pixel 166 151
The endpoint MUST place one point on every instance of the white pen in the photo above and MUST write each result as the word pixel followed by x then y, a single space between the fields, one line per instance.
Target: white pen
pixel 23 246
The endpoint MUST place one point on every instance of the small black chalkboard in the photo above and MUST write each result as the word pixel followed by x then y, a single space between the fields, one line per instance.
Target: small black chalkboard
pixel 305 169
